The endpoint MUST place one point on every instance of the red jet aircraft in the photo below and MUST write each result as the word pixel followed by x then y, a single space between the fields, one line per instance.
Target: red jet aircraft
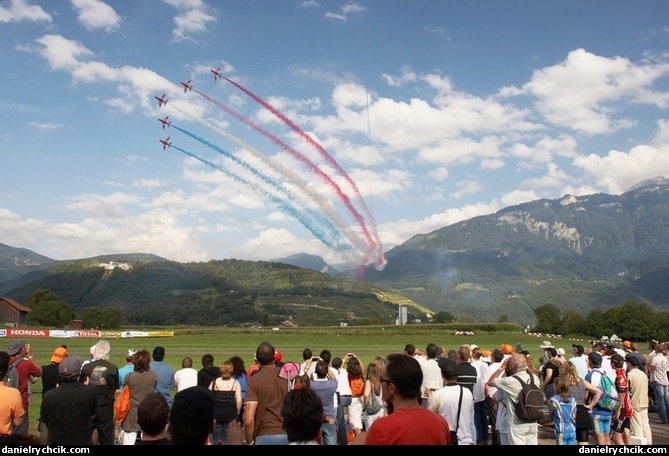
pixel 161 100
pixel 187 85
pixel 217 73
pixel 166 142
pixel 165 122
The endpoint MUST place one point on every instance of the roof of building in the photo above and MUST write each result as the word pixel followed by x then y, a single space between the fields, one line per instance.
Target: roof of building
pixel 19 307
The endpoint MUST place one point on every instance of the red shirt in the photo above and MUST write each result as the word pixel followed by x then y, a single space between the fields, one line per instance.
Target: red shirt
pixel 622 386
pixel 25 369
pixel 416 426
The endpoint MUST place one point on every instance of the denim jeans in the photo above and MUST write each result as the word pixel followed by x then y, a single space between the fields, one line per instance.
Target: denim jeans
pixel 329 433
pixel 661 399
pixel 220 434
pixel 342 439
pixel 274 439
pixel 481 421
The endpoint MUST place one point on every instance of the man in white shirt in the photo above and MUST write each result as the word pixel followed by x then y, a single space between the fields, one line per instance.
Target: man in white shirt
pixel 186 376
pixel 480 407
pixel 344 395
pixel 454 402
pixel 431 373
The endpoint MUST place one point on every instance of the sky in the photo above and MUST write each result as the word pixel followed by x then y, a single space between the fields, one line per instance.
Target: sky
pixel 337 128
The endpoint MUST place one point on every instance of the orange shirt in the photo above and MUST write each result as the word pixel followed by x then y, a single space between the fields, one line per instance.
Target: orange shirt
pixel 10 407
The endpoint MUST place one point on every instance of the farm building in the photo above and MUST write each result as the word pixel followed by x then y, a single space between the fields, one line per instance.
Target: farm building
pixel 13 314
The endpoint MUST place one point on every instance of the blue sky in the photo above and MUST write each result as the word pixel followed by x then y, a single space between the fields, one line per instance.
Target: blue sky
pixel 388 119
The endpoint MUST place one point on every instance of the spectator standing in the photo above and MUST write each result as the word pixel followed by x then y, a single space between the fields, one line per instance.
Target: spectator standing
pixel 496 358
pixel 239 374
pixel 12 412
pixel 103 375
pixel 620 422
pixel 209 372
pixel 638 384
pixel 431 372
pixel 324 383
pixel 372 394
pixel 467 376
pixel 227 386
pixel 585 395
pixel 344 395
pixel 128 367
pixel 454 402
pixel 480 407
pixel 520 432
pixel 153 415
pixel 21 358
pixel 307 354
pixel 68 410
pixel 164 372
pixel 356 380
pixel 563 410
pixel 265 392
pixel 634 352
pixel 578 360
pixel 657 368
pixel 192 416
pixel 141 381
pixel 407 422
pixel 601 417
pixel 550 371
pixel 50 380
pixel 186 376
pixel 302 413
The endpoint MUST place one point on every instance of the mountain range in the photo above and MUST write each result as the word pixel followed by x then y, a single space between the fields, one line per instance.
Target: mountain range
pixel 579 253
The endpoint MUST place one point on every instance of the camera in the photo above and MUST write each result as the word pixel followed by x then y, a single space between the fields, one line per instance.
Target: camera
pixel 349 355
pixel 314 359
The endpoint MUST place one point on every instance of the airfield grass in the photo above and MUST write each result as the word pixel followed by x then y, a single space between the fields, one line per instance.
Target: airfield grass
pixel 223 343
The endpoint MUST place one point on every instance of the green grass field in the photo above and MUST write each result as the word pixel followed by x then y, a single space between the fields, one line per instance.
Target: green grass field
pixel 222 343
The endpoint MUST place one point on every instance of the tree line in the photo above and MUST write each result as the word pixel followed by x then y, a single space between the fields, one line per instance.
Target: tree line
pixel 632 320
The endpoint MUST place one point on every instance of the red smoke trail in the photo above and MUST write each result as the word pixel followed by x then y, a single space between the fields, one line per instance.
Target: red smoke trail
pixel 303 159
pixel 329 158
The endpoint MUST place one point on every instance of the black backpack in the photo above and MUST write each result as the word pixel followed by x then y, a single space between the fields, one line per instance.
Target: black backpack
pixel 530 405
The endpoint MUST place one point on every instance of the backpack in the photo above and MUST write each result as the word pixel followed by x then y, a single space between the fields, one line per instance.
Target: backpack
pixel 610 399
pixel 530 405
pixel 12 376
pixel 565 412
pixel 226 404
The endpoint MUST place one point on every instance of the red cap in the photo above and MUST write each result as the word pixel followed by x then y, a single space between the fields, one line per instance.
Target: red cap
pixel 277 356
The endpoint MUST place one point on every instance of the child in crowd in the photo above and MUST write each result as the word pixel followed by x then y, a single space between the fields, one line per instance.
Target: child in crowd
pixel 563 410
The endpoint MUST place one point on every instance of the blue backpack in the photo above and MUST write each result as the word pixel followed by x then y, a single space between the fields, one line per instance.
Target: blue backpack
pixel 610 399
pixel 565 412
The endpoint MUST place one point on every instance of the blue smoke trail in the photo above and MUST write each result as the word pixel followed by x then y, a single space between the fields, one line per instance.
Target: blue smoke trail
pixel 281 203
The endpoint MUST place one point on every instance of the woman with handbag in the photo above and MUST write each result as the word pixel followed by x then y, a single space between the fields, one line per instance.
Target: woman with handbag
pixel 372 400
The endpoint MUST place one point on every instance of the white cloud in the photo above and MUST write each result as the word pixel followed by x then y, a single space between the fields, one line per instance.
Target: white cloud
pixel 585 92
pixel 345 11
pixel 193 18
pixel 45 125
pixel 618 171
pixel 22 10
pixel 466 188
pixel 439 174
pixel 95 14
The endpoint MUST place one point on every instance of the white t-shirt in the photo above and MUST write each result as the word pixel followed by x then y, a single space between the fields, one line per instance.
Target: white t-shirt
pixel 445 403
